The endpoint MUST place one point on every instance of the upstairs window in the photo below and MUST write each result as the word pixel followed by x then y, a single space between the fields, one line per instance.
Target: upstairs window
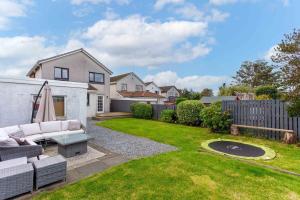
pixel 124 87
pixel 139 88
pixel 61 73
pixel 96 77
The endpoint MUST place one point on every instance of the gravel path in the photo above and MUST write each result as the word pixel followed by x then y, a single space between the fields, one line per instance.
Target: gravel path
pixel 127 145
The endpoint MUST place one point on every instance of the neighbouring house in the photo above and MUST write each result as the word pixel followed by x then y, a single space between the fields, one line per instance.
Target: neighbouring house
pixel 213 99
pixel 170 92
pixel 78 66
pixel 130 87
pixel 152 87
pixel 18 95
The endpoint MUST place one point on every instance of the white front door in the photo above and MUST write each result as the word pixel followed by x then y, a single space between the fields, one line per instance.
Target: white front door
pixel 100 104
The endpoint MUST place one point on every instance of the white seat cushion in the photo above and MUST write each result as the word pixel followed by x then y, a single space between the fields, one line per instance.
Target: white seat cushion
pixel 9 143
pixel 64 125
pixel 76 131
pixel 36 137
pixel 31 129
pixel 49 135
pixel 13 162
pixel 12 129
pixel 52 126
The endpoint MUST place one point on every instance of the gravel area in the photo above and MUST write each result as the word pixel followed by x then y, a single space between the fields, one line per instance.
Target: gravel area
pixel 127 145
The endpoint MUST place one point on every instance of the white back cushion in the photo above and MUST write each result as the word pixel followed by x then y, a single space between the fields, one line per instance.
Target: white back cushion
pixel 64 125
pixel 3 134
pixel 74 125
pixel 31 129
pixel 48 127
pixel 12 129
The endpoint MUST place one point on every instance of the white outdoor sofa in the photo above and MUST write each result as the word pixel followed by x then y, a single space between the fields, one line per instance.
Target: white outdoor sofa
pixel 45 130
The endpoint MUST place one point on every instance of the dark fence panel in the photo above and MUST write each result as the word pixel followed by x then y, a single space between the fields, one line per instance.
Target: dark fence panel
pixel 121 105
pixel 157 108
pixel 263 113
pixel 124 106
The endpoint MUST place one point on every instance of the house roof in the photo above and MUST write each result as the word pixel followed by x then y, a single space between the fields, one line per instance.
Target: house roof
pixel 114 79
pixel 39 62
pixel 139 94
pixel 166 88
pixel 148 83
pixel 208 100
pixel 118 77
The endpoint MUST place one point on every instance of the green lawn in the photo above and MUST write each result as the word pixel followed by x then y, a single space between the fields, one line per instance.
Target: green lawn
pixel 187 173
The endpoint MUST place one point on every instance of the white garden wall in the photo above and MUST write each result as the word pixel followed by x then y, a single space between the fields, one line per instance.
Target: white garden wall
pixel 16 99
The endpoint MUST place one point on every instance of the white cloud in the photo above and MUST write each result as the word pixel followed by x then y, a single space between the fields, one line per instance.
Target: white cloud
pixel 195 82
pixel 190 11
pixel 159 4
pixel 222 2
pixel 79 2
pixel 110 14
pixel 18 54
pixel 134 41
pixel 285 2
pixel 11 9
pixel 82 12
pixel 217 16
pixel 270 53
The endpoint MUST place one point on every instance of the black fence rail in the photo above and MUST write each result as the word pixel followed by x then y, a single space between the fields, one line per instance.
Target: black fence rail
pixel 263 113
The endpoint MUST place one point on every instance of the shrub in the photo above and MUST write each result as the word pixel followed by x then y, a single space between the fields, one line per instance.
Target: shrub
pixel 188 112
pixel 268 90
pixel 212 117
pixel 168 115
pixel 294 108
pixel 263 97
pixel 180 99
pixel 141 110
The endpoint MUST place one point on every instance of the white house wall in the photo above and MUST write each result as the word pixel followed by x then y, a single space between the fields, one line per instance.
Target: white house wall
pixel 17 99
pixel 131 81
pixel 153 88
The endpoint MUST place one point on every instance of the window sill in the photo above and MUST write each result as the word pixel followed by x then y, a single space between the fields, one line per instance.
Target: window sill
pixel 99 83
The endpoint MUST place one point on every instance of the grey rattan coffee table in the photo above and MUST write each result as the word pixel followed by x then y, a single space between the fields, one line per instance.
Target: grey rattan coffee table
pixel 72 145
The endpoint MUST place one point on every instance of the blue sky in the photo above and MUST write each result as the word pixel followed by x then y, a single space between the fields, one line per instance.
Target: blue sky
pixel 189 43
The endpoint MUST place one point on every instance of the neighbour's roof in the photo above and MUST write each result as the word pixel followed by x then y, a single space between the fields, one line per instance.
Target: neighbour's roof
pixel 148 83
pixel 118 77
pixel 39 62
pixel 166 88
pixel 114 79
pixel 140 94
pixel 214 99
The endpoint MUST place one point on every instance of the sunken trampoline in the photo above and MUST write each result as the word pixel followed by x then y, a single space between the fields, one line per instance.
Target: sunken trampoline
pixel 239 149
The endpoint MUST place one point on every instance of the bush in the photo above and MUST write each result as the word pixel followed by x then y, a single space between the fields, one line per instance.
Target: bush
pixel 212 117
pixel 180 99
pixel 141 110
pixel 263 97
pixel 188 112
pixel 168 116
pixel 294 108
pixel 268 90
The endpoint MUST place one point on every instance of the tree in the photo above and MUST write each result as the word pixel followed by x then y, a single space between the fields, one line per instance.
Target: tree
pixel 232 90
pixel 287 57
pixel 206 92
pixel 190 94
pixel 256 73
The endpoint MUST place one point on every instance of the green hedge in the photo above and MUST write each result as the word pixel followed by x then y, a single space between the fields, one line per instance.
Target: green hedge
pixel 141 110
pixel 168 115
pixel 212 117
pixel 268 90
pixel 180 99
pixel 188 112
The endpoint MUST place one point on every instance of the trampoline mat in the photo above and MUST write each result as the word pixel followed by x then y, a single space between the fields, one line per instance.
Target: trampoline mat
pixel 237 148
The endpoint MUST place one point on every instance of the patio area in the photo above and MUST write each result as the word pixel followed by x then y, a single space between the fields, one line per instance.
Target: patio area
pixel 107 149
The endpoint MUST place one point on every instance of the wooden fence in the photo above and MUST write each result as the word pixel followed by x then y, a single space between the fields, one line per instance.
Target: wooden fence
pixel 263 113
